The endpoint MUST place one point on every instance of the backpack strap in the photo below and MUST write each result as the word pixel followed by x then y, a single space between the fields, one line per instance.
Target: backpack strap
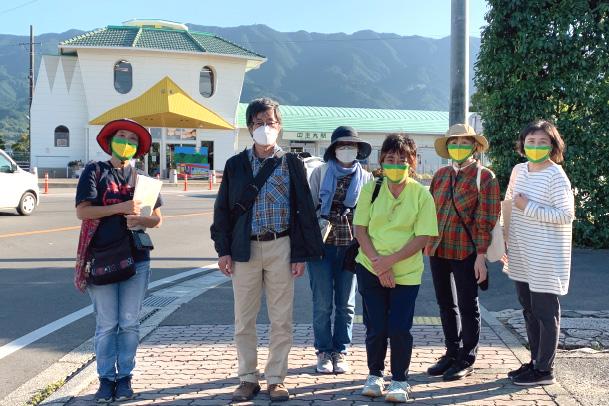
pixel 377 189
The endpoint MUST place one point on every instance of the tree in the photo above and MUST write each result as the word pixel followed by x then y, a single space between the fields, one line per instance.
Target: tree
pixel 2 142
pixel 549 59
pixel 22 145
pixel 475 102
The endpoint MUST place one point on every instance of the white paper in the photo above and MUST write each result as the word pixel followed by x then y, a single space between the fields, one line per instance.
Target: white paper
pixel 147 192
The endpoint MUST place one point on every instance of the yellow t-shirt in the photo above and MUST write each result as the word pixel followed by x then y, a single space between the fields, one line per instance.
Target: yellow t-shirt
pixel 393 222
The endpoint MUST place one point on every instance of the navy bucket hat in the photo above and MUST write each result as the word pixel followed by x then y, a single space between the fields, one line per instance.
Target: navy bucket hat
pixel 347 134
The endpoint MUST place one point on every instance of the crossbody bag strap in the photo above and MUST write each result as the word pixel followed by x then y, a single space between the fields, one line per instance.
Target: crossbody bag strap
pixel 249 194
pixel 452 199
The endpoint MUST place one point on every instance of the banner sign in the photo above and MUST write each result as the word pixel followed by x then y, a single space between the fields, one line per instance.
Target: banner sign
pixel 189 161
pixel 305 136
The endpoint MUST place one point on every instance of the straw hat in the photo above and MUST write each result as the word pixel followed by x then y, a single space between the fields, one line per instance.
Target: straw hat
pixel 458 130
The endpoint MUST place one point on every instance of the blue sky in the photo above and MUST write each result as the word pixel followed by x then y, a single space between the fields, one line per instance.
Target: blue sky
pixel 429 18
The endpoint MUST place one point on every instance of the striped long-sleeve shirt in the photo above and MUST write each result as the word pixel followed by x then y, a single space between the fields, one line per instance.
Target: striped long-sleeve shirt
pixel 539 241
pixel 479 209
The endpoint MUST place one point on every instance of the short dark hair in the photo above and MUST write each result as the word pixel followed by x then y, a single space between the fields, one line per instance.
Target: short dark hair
pixel 558 145
pixel 401 144
pixel 259 105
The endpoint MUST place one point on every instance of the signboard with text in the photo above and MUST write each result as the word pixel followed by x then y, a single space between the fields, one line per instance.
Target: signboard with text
pixel 306 136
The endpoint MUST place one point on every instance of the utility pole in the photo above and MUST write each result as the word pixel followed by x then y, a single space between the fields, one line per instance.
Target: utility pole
pixel 31 78
pixel 459 62
pixel 31 64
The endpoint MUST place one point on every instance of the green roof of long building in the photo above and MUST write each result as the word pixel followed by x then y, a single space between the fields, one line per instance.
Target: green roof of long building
pixel 326 119
pixel 158 39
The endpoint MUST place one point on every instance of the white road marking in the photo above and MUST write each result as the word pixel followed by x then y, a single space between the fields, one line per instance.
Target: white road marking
pixel 44 331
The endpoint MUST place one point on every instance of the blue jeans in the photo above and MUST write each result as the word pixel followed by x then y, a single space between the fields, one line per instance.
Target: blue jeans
pixel 331 285
pixel 388 315
pixel 117 327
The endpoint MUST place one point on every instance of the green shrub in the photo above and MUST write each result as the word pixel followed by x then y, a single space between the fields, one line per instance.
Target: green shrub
pixel 549 59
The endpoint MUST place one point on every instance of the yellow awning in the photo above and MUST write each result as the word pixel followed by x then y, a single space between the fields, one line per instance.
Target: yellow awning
pixel 165 105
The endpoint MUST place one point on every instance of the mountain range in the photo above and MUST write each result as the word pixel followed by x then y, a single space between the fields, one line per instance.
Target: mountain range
pixel 363 69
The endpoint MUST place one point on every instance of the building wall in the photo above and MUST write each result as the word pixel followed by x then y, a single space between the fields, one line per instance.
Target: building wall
pixel 59 99
pixel 149 68
pixel 225 145
pixel 71 91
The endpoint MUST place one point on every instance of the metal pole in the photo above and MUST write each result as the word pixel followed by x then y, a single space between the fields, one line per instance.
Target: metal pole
pixel 31 64
pixel 459 62
pixel 29 116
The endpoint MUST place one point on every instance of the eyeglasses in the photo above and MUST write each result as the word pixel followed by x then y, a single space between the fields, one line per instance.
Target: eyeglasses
pixel 268 123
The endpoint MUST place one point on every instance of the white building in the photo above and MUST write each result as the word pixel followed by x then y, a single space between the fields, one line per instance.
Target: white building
pixel 155 72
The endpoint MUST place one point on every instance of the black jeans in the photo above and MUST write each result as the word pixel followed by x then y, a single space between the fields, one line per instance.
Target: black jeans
pixel 388 314
pixel 459 307
pixel 542 318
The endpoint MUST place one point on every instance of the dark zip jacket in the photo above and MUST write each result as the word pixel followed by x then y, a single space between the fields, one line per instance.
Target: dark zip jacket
pixel 232 236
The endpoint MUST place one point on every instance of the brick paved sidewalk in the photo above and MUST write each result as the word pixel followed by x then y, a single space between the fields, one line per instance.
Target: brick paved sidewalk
pixel 196 365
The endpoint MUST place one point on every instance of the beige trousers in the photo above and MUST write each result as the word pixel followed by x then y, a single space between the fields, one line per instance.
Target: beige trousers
pixel 269 269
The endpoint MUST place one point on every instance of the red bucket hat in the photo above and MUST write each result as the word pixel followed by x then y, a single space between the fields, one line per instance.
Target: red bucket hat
pixel 107 132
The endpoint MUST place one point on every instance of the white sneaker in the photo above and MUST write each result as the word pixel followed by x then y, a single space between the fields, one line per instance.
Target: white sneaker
pixel 397 392
pixel 374 386
pixel 324 363
pixel 340 363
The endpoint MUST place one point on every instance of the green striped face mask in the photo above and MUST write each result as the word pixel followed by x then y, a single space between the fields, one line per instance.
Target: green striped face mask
pixel 537 154
pixel 460 153
pixel 396 173
pixel 123 149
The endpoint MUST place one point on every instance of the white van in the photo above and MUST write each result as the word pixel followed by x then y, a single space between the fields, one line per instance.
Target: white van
pixel 18 188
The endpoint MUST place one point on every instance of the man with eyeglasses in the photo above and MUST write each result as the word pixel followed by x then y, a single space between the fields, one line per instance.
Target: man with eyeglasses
pixel 263 243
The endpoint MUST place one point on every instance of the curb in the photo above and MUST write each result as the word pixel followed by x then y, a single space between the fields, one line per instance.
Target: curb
pixel 77 367
pixel 560 395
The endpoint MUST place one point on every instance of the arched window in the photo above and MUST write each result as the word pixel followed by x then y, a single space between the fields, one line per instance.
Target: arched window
pixel 206 82
pixel 62 136
pixel 123 77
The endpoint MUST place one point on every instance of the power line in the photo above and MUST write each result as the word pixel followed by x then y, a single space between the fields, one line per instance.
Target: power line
pixel 27 3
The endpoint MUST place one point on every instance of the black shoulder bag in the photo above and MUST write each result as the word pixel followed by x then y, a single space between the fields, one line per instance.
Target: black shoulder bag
pixel 111 263
pixel 249 194
pixel 353 248
pixel 483 285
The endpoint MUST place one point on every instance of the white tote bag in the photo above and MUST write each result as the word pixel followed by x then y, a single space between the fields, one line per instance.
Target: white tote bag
pixel 496 250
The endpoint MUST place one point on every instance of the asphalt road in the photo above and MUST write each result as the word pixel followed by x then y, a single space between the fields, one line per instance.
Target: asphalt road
pixel 36 266
pixel 36 273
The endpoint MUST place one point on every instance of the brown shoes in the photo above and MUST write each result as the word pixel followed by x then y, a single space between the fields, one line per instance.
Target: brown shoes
pixel 245 391
pixel 278 392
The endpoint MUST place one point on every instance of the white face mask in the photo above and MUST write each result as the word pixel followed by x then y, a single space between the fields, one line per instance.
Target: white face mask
pixel 265 135
pixel 346 155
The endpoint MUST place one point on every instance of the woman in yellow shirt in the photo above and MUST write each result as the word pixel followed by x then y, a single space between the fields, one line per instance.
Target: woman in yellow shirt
pixel 391 232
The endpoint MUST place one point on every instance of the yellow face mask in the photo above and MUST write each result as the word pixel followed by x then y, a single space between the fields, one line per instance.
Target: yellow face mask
pixel 396 173
pixel 537 154
pixel 123 149
pixel 460 153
